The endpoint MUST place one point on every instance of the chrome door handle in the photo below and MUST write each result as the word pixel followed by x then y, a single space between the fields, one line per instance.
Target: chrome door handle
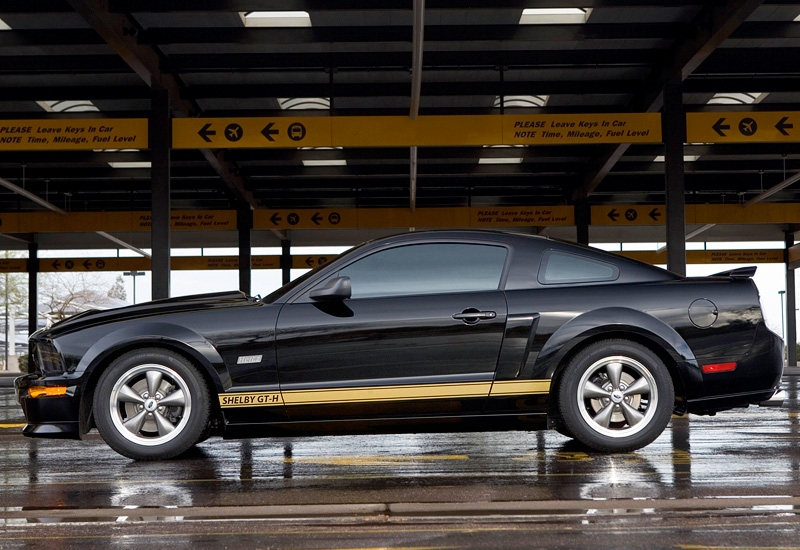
pixel 477 315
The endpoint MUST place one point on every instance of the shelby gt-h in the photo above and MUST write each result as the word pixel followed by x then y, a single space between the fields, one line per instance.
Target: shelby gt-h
pixel 433 331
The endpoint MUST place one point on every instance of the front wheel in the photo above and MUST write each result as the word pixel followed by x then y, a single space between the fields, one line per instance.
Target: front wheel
pixel 616 395
pixel 151 404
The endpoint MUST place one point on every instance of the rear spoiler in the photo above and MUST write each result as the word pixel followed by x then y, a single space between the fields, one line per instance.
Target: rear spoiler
pixel 738 273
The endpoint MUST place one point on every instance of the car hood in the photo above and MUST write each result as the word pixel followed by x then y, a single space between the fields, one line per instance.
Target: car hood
pixel 217 300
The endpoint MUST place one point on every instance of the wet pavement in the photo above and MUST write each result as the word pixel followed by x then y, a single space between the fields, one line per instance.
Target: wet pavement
pixel 730 481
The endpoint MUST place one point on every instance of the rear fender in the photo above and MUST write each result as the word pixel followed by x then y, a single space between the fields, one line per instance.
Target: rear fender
pixel 618 322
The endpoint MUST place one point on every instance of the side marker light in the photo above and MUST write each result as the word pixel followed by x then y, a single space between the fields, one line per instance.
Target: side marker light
pixel 719 367
pixel 39 391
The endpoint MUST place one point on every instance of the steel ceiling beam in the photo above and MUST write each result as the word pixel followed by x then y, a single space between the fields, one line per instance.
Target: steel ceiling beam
pixel 333 35
pixel 712 26
pixel 119 31
pixel 157 6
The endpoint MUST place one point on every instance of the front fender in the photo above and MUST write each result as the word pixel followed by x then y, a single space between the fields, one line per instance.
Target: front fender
pixel 157 333
pixel 618 322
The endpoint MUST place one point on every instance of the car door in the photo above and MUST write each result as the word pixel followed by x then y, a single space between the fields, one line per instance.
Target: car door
pixel 420 335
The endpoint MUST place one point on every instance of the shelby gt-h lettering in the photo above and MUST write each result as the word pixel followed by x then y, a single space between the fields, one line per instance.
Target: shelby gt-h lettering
pixel 437 331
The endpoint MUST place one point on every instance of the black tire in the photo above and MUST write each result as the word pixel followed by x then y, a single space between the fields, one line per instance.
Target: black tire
pixel 616 395
pixel 144 427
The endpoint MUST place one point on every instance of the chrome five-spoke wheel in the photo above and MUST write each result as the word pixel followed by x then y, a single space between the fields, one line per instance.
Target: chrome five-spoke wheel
pixel 619 396
pixel 151 404
pixel 615 395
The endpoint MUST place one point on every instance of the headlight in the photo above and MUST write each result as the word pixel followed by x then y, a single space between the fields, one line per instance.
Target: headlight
pixel 46 358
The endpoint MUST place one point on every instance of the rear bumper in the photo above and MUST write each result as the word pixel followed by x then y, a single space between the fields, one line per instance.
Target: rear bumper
pixel 756 378
pixel 51 417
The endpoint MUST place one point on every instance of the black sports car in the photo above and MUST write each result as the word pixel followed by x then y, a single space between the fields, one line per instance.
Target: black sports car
pixel 429 331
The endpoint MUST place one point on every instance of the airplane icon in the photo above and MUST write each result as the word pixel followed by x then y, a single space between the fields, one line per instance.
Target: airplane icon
pixel 233 132
pixel 748 126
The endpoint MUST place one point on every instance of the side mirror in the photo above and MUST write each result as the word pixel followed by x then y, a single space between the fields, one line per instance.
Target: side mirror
pixel 335 289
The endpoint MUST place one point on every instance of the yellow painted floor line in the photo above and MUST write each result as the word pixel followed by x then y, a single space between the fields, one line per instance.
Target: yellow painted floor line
pixel 12 425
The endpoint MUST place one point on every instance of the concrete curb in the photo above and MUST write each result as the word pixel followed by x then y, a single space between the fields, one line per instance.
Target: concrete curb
pixel 438 510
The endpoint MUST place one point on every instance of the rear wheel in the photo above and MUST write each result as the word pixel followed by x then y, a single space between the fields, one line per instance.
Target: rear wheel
pixel 616 395
pixel 151 404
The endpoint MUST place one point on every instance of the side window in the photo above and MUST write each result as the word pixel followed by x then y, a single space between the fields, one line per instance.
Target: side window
pixel 427 269
pixel 563 267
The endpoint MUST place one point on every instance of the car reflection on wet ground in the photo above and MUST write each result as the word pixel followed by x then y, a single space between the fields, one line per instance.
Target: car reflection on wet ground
pixel 727 481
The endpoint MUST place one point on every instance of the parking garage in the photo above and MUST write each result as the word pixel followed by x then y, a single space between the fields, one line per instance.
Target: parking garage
pixel 666 131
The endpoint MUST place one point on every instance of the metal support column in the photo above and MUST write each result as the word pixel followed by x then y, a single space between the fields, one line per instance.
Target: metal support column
pixel 673 122
pixel 160 142
pixel 583 215
pixel 286 261
pixel 791 320
pixel 33 287
pixel 244 221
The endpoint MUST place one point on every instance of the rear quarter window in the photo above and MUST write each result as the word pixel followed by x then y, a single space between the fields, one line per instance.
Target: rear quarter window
pixel 559 267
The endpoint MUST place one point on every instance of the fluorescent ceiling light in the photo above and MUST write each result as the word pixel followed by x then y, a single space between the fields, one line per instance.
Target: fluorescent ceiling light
pixel 499 160
pixel 521 101
pixel 322 162
pixel 295 103
pixel 4 26
pixel 554 16
pixel 686 158
pixel 69 106
pixel 736 98
pixel 132 164
pixel 277 19
pixel 797 18
pixel 326 162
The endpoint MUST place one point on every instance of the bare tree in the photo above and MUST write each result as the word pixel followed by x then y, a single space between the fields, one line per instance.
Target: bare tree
pixel 66 294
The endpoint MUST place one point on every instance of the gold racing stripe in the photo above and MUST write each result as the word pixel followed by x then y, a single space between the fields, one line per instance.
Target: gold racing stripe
pixel 520 387
pixel 383 393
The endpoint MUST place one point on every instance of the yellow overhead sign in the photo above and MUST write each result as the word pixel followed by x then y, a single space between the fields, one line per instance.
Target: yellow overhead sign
pixel 399 218
pixel 396 131
pixel 72 265
pixel 199 133
pixel 696 214
pixel 749 256
pixel 13 265
pixel 77 222
pixel 582 128
pixel 631 214
pixel 78 133
pixel 369 218
pixel 400 131
pixel 776 126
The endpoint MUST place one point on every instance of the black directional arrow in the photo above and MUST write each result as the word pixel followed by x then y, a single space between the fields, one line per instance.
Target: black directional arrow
pixel 205 132
pixel 275 218
pixel 56 265
pixel 268 132
pixel 719 127
pixel 655 214
pixel 782 126
pixel 613 214
pixel 316 218
pixel 87 264
pixel 309 261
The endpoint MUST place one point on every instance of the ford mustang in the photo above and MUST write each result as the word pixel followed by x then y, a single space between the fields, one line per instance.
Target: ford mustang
pixel 428 331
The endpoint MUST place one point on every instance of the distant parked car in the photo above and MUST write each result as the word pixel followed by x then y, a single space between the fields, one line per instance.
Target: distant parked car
pixel 429 331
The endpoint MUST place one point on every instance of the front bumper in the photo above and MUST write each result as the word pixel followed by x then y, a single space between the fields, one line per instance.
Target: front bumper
pixel 49 416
